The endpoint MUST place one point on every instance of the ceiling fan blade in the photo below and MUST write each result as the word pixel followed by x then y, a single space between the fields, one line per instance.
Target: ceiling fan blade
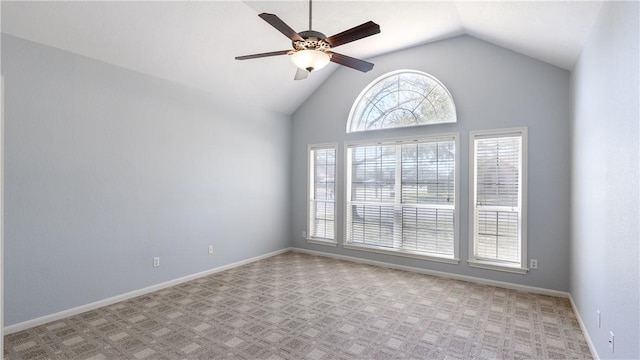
pixel 280 25
pixel 254 56
pixel 361 31
pixel 301 74
pixel 348 61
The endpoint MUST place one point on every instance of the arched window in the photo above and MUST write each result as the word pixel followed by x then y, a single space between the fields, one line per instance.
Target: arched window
pixel 402 98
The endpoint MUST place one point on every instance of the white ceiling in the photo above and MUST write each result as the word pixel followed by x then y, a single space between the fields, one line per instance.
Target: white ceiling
pixel 194 42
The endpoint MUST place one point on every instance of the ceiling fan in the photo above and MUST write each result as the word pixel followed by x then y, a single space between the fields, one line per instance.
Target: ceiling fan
pixel 312 49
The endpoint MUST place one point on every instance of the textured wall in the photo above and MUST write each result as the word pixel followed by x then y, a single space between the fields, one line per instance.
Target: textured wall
pixel 605 197
pixel 106 168
pixel 493 88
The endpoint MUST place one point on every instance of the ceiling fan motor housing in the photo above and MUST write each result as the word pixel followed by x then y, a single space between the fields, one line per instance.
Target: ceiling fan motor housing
pixel 313 40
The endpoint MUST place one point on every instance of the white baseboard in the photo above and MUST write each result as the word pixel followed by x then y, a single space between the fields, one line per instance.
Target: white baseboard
pixel 112 300
pixel 592 347
pixel 506 285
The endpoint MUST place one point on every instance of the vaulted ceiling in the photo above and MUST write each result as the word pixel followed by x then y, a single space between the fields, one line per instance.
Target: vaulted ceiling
pixel 194 42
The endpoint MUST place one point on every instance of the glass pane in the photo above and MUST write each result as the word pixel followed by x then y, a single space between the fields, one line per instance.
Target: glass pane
pixel 324 173
pixel 402 99
pixel 428 173
pixel 428 230
pixel 498 235
pixel 323 220
pixel 498 171
pixel 373 173
pixel 371 225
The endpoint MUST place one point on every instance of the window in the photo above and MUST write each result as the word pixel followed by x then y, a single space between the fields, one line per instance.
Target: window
pixel 498 204
pixel 402 196
pixel 322 174
pixel 399 99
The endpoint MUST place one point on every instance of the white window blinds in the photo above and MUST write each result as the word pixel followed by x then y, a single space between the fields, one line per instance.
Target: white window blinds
pixel 401 196
pixel 322 168
pixel 498 198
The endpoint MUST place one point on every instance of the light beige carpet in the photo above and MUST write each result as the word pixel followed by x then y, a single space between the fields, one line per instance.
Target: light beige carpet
pixel 296 306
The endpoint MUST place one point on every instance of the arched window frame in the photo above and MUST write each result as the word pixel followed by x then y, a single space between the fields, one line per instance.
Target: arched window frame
pixel 366 91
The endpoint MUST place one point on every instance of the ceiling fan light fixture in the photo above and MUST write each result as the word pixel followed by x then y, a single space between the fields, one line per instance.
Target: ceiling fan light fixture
pixel 310 60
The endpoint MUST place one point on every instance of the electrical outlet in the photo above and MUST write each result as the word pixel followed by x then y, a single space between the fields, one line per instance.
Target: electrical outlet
pixel 156 261
pixel 611 341
pixel 210 250
pixel 599 319
pixel 304 234
pixel 534 264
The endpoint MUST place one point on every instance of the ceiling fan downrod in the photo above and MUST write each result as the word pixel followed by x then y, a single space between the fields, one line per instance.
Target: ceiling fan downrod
pixel 310 13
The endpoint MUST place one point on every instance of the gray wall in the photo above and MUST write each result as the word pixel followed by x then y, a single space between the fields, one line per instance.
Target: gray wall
pixel 106 168
pixel 605 199
pixel 493 88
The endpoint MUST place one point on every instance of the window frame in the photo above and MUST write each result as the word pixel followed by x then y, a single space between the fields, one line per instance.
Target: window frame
pixel 381 78
pixel 473 260
pixel 456 211
pixel 311 148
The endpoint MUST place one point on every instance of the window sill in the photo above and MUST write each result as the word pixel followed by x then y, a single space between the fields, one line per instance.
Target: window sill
pixel 402 253
pixel 497 266
pixel 322 242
